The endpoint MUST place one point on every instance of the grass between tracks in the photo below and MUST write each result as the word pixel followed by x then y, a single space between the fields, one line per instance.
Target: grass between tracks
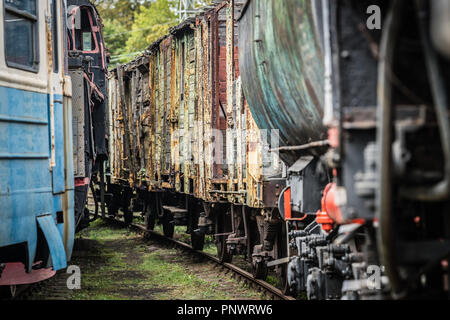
pixel 181 235
pixel 116 263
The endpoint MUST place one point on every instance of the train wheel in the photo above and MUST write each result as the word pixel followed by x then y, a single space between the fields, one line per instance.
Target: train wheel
pixel 112 210
pixel 222 251
pixel 222 227
pixel 260 270
pixel 150 217
pixel 94 196
pixel 128 216
pixel 126 205
pixel 197 238
pixel 83 221
pixel 281 251
pixel 168 225
pixel 255 242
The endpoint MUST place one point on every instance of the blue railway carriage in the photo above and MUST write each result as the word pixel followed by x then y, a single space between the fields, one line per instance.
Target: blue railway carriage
pixel 36 162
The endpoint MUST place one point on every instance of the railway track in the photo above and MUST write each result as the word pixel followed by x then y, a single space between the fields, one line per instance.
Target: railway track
pixel 272 291
pixel 57 284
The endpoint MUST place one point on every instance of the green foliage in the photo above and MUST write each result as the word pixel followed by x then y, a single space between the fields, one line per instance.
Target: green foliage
pixel 115 36
pixel 130 26
pixel 120 11
pixel 150 24
pixel 118 264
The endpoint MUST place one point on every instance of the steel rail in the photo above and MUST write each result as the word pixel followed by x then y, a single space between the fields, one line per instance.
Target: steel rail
pixel 275 292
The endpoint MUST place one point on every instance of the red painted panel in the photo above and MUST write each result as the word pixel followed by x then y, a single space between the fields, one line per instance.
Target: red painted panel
pixel 15 274
pixel 81 182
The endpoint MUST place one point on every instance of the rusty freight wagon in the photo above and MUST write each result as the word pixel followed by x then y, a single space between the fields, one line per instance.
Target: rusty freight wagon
pixel 183 141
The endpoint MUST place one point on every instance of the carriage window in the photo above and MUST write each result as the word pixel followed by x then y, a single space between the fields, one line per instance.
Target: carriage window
pixel 87 41
pixel 20 33
pixel 84 33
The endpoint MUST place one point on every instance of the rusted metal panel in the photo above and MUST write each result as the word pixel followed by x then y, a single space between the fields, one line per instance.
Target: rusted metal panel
pixel 198 128
pixel 154 80
pixel 179 114
pixel 144 122
pixel 116 135
pixel 214 83
pixel 78 122
pixel 137 96
pixel 203 83
pixel 116 147
pixel 192 101
pixel 136 104
pixel 166 162
pixel 122 117
pixel 239 139
pixel 271 192
pixel 187 98
pixel 131 108
pixel 149 116
pixel 253 177
pixel 181 120
pixel 229 108
pixel 173 117
pixel 207 104
pixel 112 102
pixel 220 108
pixel 160 117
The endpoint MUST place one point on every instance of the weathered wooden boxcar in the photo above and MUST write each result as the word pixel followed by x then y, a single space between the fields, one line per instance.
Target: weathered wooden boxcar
pixel 181 133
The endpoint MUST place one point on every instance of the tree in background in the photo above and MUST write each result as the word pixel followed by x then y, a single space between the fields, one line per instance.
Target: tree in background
pixel 115 35
pixel 130 26
pixel 150 23
pixel 120 11
pixel 118 19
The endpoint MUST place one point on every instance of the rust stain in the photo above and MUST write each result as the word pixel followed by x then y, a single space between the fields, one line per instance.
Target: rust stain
pixel 229 108
pixel 166 107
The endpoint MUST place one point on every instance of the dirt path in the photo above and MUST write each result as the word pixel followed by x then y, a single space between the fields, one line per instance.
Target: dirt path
pixel 116 263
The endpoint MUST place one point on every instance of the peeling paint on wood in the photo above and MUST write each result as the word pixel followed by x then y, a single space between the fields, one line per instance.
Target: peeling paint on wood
pixel 180 117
